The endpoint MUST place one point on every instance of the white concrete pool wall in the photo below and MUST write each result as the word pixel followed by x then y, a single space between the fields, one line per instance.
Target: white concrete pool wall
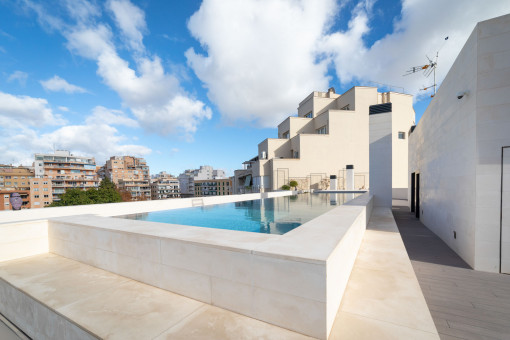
pixel 294 280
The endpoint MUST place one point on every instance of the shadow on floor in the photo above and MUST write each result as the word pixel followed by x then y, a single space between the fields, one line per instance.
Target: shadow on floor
pixel 421 243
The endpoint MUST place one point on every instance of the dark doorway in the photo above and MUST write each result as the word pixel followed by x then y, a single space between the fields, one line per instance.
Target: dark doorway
pixel 412 192
pixel 417 195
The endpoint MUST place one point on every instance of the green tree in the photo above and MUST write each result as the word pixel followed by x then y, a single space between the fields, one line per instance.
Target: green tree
pixel 293 184
pixel 285 187
pixel 108 192
pixel 73 197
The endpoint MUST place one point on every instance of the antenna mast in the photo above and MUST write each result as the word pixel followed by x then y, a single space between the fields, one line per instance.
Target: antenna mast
pixel 427 69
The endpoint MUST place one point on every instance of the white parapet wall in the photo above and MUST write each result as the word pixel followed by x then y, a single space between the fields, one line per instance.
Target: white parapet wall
pixel 295 280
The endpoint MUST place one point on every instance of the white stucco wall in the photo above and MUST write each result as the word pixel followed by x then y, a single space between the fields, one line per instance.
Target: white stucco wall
pixel 381 159
pixel 457 147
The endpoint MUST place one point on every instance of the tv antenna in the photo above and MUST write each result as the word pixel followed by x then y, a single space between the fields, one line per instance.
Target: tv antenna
pixel 427 69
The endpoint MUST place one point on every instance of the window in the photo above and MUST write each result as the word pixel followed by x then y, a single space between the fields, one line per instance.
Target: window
pixel 45 196
pixel 45 183
pixel 36 189
pixel 45 189
pixel 36 203
pixel 286 135
pixel 36 196
pixel 346 107
pixel 7 177
pixel 309 115
pixel 36 183
pixel 322 130
pixel 401 135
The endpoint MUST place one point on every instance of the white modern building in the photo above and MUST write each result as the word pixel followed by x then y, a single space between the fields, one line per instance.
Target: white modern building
pixel 459 153
pixel 329 135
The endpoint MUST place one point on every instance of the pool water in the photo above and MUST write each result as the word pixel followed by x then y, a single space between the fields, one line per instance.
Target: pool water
pixel 276 215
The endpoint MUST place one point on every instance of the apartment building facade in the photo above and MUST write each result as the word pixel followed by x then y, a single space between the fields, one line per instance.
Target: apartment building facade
pixel 187 178
pixel 41 192
pixel 213 187
pixel 164 186
pixel 131 174
pixel 66 171
pixel 329 135
pixel 15 177
pixel 5 195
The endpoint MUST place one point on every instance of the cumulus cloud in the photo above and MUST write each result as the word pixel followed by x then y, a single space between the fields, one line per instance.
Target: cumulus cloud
pixel 102 115
pixel 419 33
pixel 19 143
pixel 131 21
pixel 26 110
pixel 154 96
pixel 261 56
pixel 19 76
pixel 57 84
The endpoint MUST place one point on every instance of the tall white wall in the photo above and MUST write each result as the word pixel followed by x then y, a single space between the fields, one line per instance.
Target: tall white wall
pixel 457 147
pixel 492 133
pixel 381 159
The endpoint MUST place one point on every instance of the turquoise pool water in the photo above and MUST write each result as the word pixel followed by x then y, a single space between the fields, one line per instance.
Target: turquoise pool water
pixel 271 215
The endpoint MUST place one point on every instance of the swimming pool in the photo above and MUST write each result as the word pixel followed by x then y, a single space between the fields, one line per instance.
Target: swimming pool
pixel 276 215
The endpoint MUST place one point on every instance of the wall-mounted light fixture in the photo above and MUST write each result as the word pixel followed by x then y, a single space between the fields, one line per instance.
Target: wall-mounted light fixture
pixel 461 94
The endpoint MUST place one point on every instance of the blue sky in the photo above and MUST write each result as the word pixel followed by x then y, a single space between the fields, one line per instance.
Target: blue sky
pixel 188 83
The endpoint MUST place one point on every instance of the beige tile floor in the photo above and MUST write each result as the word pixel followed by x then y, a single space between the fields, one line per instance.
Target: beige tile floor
pixel 114 307
pixel 382 300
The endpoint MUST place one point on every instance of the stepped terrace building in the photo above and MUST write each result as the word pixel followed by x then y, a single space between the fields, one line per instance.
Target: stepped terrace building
pixel 66 171
pixel 329 135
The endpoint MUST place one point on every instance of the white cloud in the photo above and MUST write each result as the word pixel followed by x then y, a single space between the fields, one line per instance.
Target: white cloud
pixel 26 110
pixel 102 115
pixel 131 21
pixel 420 32
pixel 18 76
pixel 155 97
pixel 18 144
pixel 261 55
pixel 63 108
pixel 57 84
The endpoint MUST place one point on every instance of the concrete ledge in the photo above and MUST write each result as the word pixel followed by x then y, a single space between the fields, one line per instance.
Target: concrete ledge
pixel 383 299
pixel 295 280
